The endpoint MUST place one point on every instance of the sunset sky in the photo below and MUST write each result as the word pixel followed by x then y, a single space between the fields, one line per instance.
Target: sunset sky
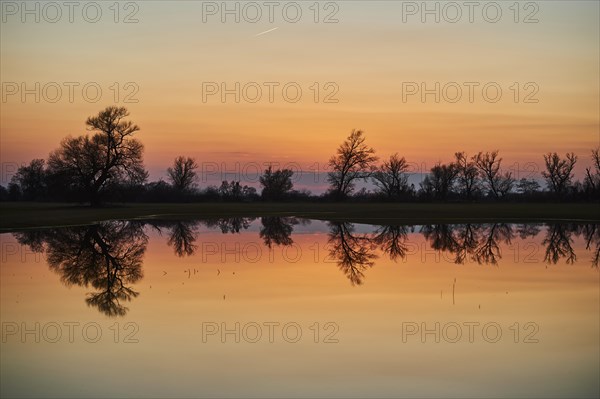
pixel 177 47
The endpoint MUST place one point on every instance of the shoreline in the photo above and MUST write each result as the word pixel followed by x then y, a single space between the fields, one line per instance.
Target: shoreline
pixel 16 216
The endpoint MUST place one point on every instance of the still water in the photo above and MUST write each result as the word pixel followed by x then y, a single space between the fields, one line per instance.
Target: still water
pixel 286 307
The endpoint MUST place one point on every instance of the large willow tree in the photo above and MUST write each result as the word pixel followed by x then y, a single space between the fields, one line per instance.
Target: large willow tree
pixel 109 157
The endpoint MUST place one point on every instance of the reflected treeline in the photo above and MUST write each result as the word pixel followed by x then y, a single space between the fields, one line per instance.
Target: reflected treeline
pixel 482 243
pixel 183 235
pixel 108 256
pixel 479 243
pixel 229 225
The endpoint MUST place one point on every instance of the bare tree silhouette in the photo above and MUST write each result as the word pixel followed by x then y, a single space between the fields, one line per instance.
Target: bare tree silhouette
pixel 592 174
pixel 558 173
pixel 183 173
pixel 467 174
pixel 391 177
pixel 490 169
pixel 353 161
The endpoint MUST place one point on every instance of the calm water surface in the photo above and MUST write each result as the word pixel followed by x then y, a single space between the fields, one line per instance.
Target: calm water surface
pixel 285 307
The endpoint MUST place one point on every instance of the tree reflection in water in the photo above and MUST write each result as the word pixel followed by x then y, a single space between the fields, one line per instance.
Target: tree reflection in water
pixel 276 230
pixel 107 257
pixel 353 252
pixel 558 242
pixel 229 225
pixel 592 237
pixel 392 240
pixel 182 235
pixel 467 241
pixel 488 250
pixel 528 230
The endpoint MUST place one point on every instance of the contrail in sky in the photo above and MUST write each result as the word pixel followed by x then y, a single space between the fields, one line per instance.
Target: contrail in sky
pixel 267 31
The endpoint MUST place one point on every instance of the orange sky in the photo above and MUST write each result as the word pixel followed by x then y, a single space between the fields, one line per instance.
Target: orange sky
pixel 369 55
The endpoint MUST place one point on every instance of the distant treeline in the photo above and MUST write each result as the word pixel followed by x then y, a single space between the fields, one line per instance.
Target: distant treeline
pixel 108 166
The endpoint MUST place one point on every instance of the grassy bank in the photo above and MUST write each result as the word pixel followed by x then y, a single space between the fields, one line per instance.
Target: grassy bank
pixel 21 215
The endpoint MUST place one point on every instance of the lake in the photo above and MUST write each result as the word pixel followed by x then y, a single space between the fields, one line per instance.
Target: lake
pixel 288 307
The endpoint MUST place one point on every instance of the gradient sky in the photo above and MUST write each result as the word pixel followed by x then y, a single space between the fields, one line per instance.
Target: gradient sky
pixel 368 54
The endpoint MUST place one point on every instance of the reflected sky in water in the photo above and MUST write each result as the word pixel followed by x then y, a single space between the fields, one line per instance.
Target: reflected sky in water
pixel 166 283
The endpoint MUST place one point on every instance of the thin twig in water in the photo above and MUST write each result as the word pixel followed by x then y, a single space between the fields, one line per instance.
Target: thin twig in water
pixel 453 285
